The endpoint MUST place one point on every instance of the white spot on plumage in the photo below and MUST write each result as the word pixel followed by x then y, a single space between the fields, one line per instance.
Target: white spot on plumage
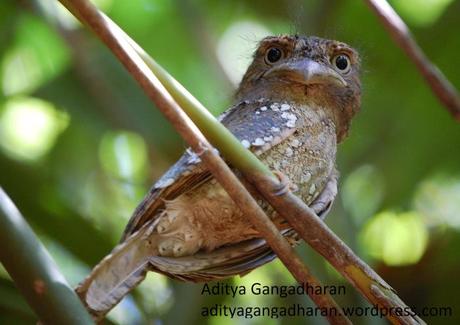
pixel 194 159
pixel 289 116
pixel 263 108
pixel 275 107
pixel 285 107
pixel 246 143
pixel 258 142
pixel 290 123
pixel 164 183
pixel 295 143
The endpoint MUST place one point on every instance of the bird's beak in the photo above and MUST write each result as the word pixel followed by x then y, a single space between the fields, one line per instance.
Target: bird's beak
pixel 308 72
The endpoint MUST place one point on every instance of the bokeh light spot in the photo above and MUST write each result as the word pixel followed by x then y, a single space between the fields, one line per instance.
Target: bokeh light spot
pixel 37 56
pixel 396 239
pixel 421 12
pixel 362 192
pixel 123 155
pixel 238 40
pixel 438 200
pixel 29 127
pixel 22 71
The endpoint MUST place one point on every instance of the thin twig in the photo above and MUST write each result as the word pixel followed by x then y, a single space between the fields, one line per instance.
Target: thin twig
pixel 34 271
pixel 401 34
pixel 163 100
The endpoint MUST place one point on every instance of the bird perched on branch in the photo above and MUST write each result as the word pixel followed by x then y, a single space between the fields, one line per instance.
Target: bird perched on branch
pixel 294 104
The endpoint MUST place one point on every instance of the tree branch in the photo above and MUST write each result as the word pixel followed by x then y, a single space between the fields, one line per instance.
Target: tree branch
pixel 34 271
pixel 109 33
pixel 401 34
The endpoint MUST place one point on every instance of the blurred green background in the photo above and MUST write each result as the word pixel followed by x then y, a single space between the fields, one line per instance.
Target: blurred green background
pixel 80 143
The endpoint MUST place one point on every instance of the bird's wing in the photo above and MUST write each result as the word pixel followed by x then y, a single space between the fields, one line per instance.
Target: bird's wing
pixel 187 173
pixel 259 125
pixel 262 124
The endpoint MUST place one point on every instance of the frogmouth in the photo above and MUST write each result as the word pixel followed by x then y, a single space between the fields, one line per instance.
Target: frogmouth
pixel 292 107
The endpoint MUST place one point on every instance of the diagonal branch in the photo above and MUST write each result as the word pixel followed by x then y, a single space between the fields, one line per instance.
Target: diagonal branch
pixel 401 34
pixel 156 91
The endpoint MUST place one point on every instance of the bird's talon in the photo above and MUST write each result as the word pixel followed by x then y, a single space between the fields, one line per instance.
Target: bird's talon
pixel 284 184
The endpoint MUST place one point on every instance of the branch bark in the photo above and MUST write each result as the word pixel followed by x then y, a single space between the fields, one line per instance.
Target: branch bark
pixel 34 271
pixel 299 215
pixel 440 85
pixel 110 35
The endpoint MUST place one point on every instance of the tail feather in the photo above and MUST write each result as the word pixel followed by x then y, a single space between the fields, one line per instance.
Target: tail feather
pixel 118 273
pixel 123 269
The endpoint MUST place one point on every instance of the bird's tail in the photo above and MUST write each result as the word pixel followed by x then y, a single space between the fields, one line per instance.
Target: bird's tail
pixel 118 273
pixel 123 269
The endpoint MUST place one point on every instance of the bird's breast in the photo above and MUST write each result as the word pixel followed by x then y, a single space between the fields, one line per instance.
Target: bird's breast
pixel 307 157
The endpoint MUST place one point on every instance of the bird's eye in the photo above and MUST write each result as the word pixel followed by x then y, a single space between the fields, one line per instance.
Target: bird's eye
pixel 273 54
pixel 342 63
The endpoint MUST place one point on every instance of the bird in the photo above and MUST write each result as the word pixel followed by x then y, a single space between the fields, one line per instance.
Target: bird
pixel 294 104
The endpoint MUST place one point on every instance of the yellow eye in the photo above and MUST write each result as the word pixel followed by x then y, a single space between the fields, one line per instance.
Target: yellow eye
pixel 342 63
pixel 273 55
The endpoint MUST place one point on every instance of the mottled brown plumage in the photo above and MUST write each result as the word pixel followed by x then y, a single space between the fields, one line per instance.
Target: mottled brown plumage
pixel 293 106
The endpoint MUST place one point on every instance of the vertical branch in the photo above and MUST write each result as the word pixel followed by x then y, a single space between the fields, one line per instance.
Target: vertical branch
pixel 401 34
pixel 34 272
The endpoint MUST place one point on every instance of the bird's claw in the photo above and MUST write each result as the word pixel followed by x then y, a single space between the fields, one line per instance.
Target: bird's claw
pixel 285 184
pixel 323 203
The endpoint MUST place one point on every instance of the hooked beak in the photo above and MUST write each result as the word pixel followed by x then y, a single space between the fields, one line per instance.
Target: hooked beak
pixel 308 72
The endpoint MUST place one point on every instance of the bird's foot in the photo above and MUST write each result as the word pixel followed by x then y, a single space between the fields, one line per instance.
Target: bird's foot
pixel 323 203
pixel 285 184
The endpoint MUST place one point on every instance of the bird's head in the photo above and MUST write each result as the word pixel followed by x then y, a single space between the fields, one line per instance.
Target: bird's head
pixel 307 70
